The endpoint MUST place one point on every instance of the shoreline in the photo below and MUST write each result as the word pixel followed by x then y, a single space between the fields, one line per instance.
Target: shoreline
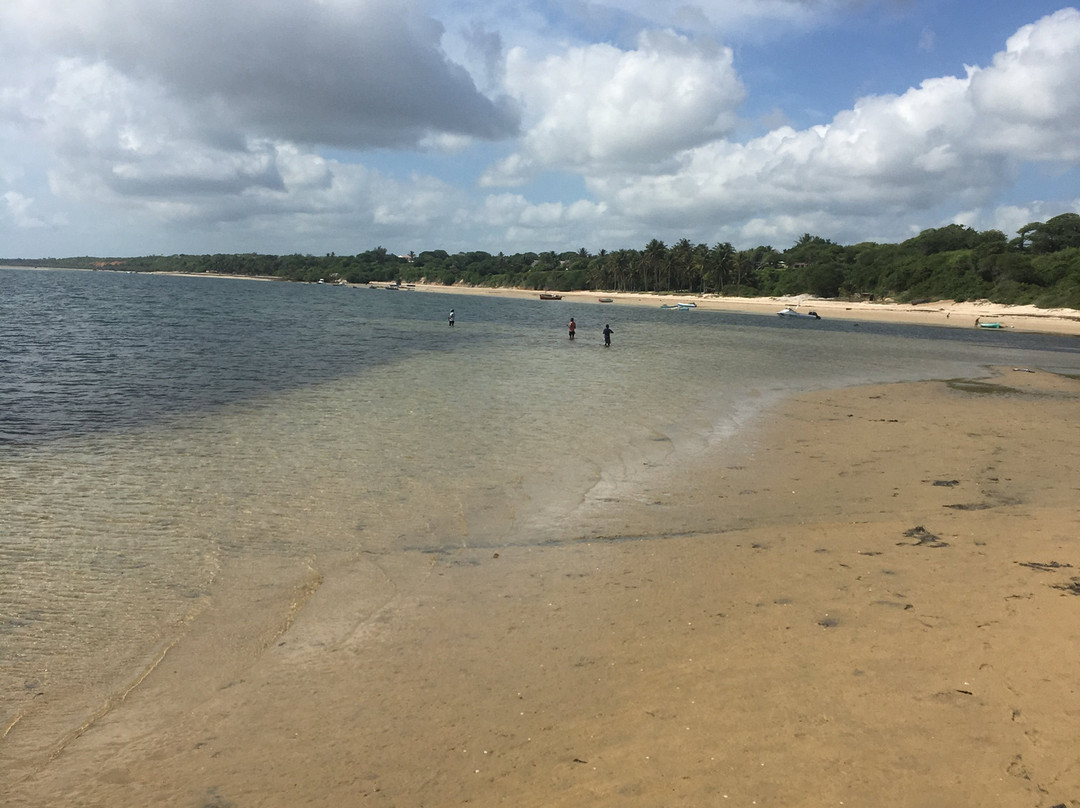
pixel 118 271
pixel 944 313
pixel 873 601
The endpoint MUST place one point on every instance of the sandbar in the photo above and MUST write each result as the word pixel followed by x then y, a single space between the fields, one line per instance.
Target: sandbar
pixel 874 599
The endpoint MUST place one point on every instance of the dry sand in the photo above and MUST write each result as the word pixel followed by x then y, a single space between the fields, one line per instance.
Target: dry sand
pixel 941 312
pixel 874 602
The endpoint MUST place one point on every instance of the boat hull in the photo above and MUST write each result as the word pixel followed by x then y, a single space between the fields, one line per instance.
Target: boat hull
pixel 799 315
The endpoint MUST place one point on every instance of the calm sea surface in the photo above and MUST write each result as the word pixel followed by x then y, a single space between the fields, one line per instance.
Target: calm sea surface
pixel 154 427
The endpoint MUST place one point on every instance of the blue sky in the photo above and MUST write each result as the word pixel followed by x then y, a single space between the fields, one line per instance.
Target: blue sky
pixel 317 126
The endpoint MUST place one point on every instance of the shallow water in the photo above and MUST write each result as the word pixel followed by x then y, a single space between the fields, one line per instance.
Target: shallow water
pixel 154 429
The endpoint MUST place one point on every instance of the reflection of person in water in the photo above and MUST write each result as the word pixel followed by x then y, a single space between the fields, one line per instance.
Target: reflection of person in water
pixel 607 336
pixel 572 326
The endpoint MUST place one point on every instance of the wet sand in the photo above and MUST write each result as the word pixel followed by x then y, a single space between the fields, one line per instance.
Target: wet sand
pixel 874 600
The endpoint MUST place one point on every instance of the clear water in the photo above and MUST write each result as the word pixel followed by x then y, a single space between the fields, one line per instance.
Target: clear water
pixel 156 430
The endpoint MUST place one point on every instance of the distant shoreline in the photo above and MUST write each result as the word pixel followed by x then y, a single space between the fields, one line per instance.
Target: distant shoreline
pixel 946 313
pixel 118 271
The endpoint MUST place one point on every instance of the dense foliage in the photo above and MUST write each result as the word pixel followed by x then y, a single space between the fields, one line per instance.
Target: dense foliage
pixel 1040 266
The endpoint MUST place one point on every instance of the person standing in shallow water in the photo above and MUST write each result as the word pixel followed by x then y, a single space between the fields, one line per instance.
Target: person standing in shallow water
pixel 607 336
pixel 572 326
pixel 450 320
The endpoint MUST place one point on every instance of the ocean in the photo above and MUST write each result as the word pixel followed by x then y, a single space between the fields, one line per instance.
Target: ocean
pixel 159 433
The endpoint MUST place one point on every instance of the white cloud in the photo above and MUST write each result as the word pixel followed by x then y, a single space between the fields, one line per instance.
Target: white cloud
pixel 1028 100
pixel 347 73
pixel 19 210
pixel 547 225
pixel 956 139
pixel 111 135
pixel 206 111
pixel 203 126
pixel 598 108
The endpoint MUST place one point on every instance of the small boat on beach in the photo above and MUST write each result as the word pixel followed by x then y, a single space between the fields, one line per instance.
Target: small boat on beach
pixel 805 315
pixel 607 300
pixel 981 324
pixel 549 296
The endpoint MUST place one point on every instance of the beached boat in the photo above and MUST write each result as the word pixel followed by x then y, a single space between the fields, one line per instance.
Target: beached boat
pixel 607 300
pixel 549 296
pixel 989 325
pixel 805 315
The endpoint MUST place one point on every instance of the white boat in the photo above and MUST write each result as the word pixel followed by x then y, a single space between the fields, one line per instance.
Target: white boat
pixel 806 315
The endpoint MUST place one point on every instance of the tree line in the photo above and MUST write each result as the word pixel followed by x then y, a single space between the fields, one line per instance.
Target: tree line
pixel 1040 266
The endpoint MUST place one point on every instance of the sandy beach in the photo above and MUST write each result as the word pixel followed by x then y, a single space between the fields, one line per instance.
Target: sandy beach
pixel 947 313
pixel 875 602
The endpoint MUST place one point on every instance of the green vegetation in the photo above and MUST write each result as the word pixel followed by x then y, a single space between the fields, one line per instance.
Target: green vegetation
pixel 1041 266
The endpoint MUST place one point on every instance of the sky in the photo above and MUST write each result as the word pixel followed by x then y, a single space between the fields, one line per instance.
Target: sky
pixel 315 126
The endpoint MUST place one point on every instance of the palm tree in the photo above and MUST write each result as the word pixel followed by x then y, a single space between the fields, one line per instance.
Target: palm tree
pixel 621 268
pixel 699 266
pixel 723 259
pixel 679 264
pixel 654 261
